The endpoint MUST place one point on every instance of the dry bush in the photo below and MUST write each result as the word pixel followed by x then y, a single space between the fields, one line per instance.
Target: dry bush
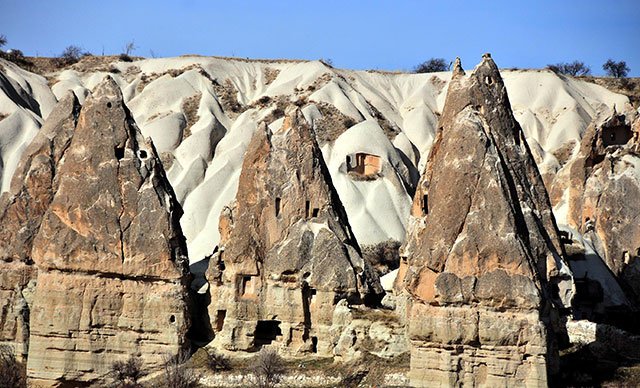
pixel 575 68
pixel 13 374
pixel 432 65
pixel 217 362
pixel 125 374
pixel 268 368
pixel 177 374
pixel 384 256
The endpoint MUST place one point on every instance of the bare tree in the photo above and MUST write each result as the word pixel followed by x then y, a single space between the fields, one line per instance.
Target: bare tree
pixel 575 68
pixel 12 372
pixel 268 368
pixel 70 55
pixel 616 69
pixel 432 65
pixel 130 47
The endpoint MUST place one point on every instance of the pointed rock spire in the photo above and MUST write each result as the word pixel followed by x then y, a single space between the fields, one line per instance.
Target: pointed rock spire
pixel 482 257
pixel 286 248
pixel 112 269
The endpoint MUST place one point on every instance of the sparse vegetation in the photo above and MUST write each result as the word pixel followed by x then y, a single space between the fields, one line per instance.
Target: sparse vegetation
pixel 268 368
pixel 616 69
pixel 177 374
pixel 12 372
pixel 217 362
pixel 575 68
pixel 432 65
pixel 69 56
pixel 125 374
pixel 3 40
pixel 384 256
pixel 270 75
pixel 129 48
pixel 190 107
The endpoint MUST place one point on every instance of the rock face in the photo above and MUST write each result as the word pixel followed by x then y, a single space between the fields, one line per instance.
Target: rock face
pixel 287 255
pixel 21 211
pixel 602 193
pixel 108 248
pixel 482 260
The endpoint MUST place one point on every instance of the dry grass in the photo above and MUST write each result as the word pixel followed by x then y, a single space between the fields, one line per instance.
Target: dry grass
pixel 629 87
pixel 332 124
pixel 190 107
pixel 228 97
pixel 270 75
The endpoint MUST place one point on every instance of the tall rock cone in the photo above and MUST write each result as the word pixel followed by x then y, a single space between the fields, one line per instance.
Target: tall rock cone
pixel 21 211
pixel 112 270
pixel 482 260
pixel 287 255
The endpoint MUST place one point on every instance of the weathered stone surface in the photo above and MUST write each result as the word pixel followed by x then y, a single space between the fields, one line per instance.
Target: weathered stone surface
pixel 482 260
pixel 112 270
pixel 21 211
pixel 603 196
pixel 287 255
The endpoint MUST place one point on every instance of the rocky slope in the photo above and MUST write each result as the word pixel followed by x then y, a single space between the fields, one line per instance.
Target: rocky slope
pixel 201 113
pixel 285 171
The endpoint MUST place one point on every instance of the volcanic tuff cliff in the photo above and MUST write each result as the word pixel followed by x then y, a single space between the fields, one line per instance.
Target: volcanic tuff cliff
pixel 101 222
pixel 286 169
pixel 482 261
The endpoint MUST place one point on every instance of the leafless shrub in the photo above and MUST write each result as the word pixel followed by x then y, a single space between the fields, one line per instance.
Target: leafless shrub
pixel 217 362
pixel 268 368
pixel 383 256
pixel 178 375
pixel 575 68
pixel 126 374
pixel 12 372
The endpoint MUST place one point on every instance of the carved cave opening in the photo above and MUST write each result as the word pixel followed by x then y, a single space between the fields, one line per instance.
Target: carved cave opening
pixel 119 152
pixel 266 332
pixel 220 316
pixel 616 135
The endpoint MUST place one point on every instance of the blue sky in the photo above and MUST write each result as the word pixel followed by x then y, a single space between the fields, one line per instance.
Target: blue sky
pixel 374 34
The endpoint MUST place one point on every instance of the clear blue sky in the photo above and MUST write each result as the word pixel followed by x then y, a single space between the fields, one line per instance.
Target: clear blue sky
pixel 373 34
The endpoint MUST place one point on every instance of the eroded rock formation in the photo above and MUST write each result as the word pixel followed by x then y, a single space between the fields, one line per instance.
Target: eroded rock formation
pixel 482 261
pixel 287 255
pixel 91 208
pixel 601 196
pixel 21 211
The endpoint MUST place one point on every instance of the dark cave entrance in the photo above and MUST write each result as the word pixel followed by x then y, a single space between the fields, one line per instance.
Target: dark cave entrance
pixel 267 332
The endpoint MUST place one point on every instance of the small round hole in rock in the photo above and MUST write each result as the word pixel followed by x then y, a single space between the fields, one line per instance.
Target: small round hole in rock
pixel 172 319
pixel 108 104
pixel 142 154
